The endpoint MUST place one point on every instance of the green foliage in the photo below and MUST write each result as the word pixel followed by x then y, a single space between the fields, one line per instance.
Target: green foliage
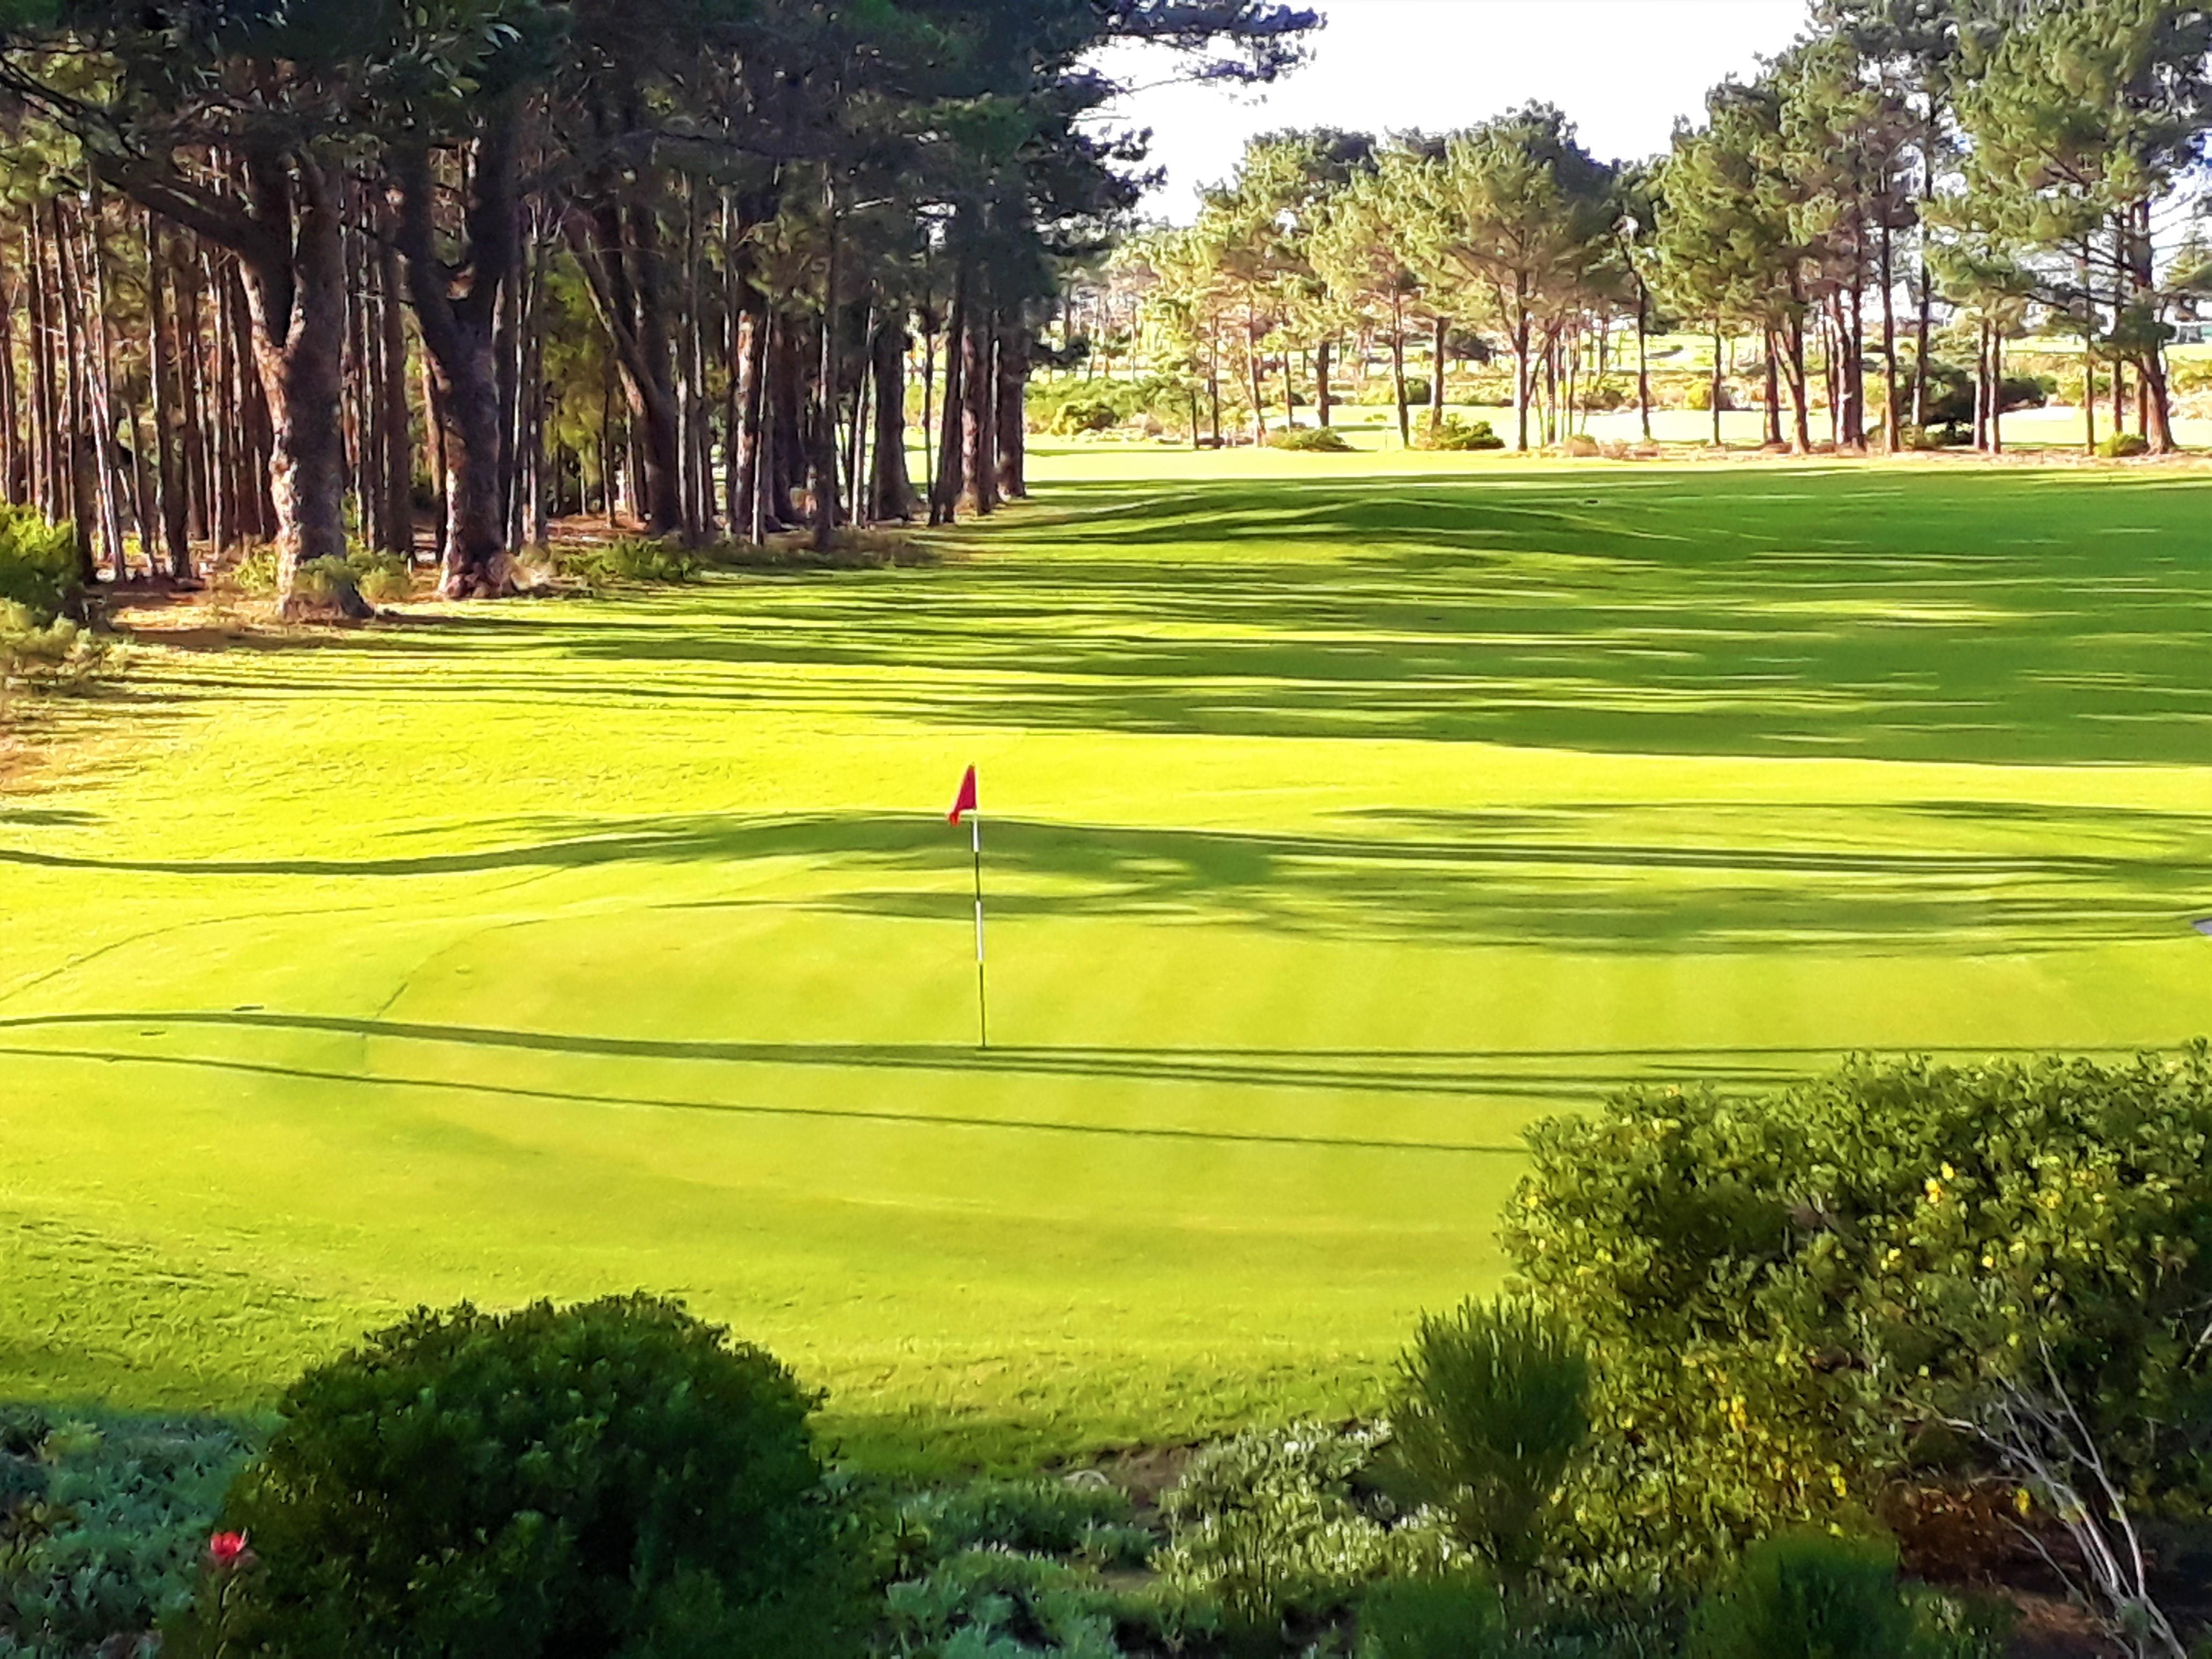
pixel 1491 1407
pixel 2122 445
pixel 994 1603
pixel 1072 406
pixel 1036 1516
pixel 39 567
pixel 55 655
pixel 323 583
pixel 1312 440
pixel 255 574
pixel 1775 1286
pixel 103 1524
pixel 1458 434
pixel 630 561
pixel 1808 1596
pixel 1289 1519
pixel 611 1476
pixel 381 578
pixel 1456 1616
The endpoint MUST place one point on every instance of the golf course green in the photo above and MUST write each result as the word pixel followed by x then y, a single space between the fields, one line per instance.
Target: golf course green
pixel 1342 815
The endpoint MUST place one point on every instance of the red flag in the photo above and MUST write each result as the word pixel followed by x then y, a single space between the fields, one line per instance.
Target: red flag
pixel 966 803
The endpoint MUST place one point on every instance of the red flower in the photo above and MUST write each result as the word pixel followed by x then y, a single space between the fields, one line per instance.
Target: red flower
pixel 227 1552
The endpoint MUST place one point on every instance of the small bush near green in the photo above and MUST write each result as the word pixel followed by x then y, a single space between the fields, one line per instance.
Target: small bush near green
pixel 1491 1407
pixel 1289 1519
pixel 1319 440
pixel 631 560
pixel 1780 1285
pixel 103 1524
pixel 39 563
pixel 1458 434
pixel 2120 446
pixel 1805 1595
pixel 612 1478
pixel 55 655
pixel 381 578
pixel 1455 1616
pixel 1038 1516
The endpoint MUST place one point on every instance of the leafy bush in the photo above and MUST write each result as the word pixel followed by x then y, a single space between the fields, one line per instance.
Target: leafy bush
pixel 382 577
pixel 996 1604
pixel 324 582
pixel 1700 395
pixel 1777 1287
pixel 39 563
pixel 612 1477
pixel 2120 446
pixel 1070 407
pixel 1037 1517
pixel 103 1524
pixel 1805 1595
pixel 1458 434
pixel 1320 440
pixel 57 654
pixel 255 572
pixel 1455 1616
pixel 1491 1407
pixel 631 560
pixel 1282 1520
pixel 1079 415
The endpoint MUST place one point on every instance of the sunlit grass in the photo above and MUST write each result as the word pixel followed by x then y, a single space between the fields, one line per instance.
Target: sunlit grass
pixel 1345 813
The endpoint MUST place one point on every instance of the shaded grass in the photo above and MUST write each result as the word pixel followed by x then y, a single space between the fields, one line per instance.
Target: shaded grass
pixel 1356 813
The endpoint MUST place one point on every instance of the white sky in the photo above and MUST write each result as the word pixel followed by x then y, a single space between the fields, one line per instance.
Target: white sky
pixel 1622 69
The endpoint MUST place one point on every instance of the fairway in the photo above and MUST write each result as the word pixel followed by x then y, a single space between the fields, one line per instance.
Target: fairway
pixel 1342 816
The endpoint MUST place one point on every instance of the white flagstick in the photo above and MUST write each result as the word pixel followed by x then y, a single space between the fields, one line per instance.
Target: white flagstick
pixel 982 1007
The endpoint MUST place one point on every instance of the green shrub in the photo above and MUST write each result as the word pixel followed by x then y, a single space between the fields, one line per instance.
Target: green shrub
pixel 382 577
pixel 1282 1520
pixel 631 560
pixel 1080 414
pixel 324 583
pixel 2120 446
pixel 103 1524
pixel 1452 1617
pixel 1805 1595
pixel 39 569
pixel 1038 1516
pixel 1318 440
pixel 1458 434
pixel 613 1477
pixel 1777 1285
pixel 255 572
pixel 57 654
pixel 1491 1407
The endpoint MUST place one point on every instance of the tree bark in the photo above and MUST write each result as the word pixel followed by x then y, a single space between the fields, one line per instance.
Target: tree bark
pixel 980 421
pixel 1892 434
pixel 617 244
pixel 1013 380
pixel 1440 344
pixel 175 524
pixel 891 490
pixel 945 503
pixel 462 340
pixel 1322 399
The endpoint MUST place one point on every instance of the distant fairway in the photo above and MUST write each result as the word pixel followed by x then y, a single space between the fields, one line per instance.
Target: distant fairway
pixel 1343 814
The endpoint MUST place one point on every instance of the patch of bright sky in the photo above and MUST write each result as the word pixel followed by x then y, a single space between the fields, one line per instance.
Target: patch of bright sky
pixel 1624 70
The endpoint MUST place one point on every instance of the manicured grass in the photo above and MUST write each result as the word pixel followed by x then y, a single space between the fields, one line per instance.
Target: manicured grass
pixel 1347 813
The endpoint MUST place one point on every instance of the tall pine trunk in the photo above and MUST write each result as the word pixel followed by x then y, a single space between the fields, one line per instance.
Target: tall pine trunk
pixel 891 490
pixel 1013 380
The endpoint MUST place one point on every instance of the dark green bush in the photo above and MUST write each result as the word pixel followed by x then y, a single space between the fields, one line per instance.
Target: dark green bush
pixel 1805 1595
pixel 614 1478
pixel 630 561
pixel 1776 1287
pixel 1457 434
pixel 1491 1407
pixel 2120 446
pixel 39 564
pixel 1456 1617
pixel 1038 1516
pixel 1317 440
pixel 103 1524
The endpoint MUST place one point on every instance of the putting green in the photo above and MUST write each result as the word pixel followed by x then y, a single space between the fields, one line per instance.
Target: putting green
pixel 1343 814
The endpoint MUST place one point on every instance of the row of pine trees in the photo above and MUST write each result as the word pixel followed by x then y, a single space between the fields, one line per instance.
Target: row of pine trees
pixel 1996 166
pixel 277 269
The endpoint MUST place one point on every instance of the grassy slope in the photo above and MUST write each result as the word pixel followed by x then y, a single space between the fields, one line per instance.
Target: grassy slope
pixel 1351 818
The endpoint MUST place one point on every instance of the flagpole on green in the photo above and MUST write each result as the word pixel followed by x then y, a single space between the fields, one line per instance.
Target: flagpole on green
pixel 982 1003
pixel 966 804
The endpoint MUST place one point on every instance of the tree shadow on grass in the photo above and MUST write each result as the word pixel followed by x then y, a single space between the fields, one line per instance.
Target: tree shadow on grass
pixel 1948 877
